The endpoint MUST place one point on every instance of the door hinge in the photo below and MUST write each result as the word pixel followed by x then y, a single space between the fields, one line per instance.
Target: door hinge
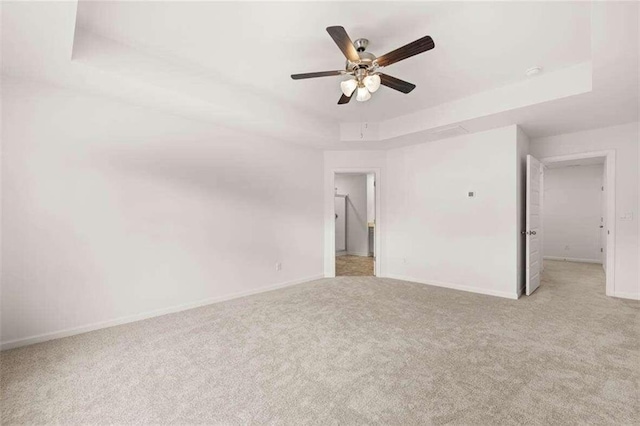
pixel 601 250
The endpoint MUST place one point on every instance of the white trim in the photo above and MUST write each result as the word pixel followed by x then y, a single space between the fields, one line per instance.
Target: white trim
pixel 610 164
pixel 574 259
pixel 466 288
pixel 145 315
pixel 329 219
pixel 632 296
pixel 346 222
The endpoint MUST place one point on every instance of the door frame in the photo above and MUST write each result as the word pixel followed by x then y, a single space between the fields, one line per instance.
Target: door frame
pixel 610 165
pixel 329 219
pixel 346 231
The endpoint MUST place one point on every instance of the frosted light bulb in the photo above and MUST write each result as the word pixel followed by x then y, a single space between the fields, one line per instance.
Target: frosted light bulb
pixel 348 86
pixel 372 82
pixel 363 94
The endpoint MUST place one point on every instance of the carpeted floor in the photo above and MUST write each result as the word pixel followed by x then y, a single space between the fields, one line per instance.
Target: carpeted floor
pixel 349 350
pixel 354 266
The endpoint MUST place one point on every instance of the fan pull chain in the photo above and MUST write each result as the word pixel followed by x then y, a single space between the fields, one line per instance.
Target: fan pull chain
pixel 366 126
pixel 364 123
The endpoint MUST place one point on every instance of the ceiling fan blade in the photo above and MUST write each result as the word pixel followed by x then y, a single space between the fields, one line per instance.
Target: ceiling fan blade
pixel 316 74
pixel 396 83
pixel 340 36
pixel 344 99
pixel 421 45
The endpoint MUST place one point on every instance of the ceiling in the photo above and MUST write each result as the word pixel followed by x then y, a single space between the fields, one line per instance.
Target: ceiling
pixel 479 46
pixel 229 63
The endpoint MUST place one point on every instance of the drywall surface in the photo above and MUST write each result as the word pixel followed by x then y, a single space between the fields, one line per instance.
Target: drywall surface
pixel 572 213
pixel 623 140
pixel 355 187
pixel 521 195
pixel 436 233
pixel 110 213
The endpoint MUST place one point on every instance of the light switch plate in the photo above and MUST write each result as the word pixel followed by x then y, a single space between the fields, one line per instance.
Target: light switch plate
pixel 627 216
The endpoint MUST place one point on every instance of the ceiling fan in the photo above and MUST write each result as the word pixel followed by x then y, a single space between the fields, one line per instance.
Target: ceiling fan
pixel 362 67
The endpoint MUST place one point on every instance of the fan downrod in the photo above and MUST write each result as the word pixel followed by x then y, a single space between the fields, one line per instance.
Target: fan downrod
pixel 361 44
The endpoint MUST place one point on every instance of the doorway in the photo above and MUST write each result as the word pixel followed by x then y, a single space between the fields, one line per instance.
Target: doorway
pixel 354 203
pixel 374 231
pixel 571 205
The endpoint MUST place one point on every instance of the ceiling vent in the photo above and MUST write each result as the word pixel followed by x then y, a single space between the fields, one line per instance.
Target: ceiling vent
pixel 449 131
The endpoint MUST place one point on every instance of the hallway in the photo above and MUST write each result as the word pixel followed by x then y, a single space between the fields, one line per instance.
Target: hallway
pixel 354 266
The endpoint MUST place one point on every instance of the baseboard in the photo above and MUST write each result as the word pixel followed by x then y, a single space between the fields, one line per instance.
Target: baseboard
pixel 470 289
pixel 357 253
pixel 573 259
pixel 11 344
pixel 341 253
pixel 632 296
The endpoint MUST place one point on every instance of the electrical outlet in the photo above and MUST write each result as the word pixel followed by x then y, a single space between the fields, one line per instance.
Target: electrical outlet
pixel 567 248
pixel 278 266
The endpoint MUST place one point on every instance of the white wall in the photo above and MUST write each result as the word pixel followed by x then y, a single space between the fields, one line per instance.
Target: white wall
pixel 435 233
pixel 355 186
pixel 112 212
pixel 429 230
pixel 624 140
pixel 572 212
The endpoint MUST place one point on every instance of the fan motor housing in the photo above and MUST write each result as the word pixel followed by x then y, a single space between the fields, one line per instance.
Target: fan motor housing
pixel 366 58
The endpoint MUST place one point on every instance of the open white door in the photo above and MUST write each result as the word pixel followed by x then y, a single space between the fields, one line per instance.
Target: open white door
pixel 533 231
pixel 341 223
pixel 603 220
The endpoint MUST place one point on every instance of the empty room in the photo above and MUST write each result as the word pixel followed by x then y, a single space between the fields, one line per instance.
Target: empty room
pixel 291 213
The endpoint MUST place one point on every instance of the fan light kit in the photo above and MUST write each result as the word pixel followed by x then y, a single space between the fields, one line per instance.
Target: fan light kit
pixel 363 67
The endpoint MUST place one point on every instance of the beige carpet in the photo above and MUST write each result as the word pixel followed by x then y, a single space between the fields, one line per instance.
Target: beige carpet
pixel 349 350
pixel 354 266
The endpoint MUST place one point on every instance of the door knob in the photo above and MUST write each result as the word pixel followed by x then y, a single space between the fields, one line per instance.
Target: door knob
pixel 533 232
